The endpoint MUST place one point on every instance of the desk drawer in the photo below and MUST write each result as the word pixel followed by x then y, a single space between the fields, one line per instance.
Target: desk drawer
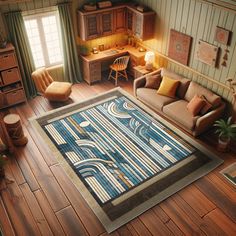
pixel 7 60
pixel 10 76
pixel 15 97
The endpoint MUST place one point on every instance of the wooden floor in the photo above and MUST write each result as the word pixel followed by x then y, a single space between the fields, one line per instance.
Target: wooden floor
pixel 37 197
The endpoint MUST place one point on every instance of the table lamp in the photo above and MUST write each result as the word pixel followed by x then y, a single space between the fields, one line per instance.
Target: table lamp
pixel 149 58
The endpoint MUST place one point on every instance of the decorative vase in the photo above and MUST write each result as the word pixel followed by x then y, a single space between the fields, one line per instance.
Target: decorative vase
pixel 223 144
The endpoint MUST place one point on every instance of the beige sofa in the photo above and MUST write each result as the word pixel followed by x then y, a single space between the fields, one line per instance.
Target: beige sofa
pixel 175 109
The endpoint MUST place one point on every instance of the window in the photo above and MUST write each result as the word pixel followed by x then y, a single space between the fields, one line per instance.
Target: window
pixel 45 43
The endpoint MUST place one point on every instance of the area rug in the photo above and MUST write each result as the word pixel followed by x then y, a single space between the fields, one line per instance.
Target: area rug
pixel 123 157
pixel 230 173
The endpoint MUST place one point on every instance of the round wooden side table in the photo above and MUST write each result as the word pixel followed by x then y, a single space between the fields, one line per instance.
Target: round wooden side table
pixel 14 129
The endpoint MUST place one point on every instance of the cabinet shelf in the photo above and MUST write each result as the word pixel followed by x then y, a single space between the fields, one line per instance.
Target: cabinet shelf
pixel 11 86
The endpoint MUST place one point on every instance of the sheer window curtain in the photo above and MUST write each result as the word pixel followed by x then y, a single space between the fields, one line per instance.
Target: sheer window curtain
pixel 18 36
pixel 71 61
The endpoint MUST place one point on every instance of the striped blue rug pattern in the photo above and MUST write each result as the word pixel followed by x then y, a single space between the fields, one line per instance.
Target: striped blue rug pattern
pixel 115 146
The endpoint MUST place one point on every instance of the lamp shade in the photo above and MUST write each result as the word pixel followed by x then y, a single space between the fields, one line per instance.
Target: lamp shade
pixel 149 57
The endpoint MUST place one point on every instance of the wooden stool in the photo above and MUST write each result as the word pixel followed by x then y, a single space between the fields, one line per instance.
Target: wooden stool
pixel 14 129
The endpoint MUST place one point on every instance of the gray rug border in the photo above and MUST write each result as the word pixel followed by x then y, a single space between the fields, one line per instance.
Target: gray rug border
pixel 109 225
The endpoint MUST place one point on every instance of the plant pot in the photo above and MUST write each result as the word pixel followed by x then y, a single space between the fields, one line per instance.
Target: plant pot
pixel 223 144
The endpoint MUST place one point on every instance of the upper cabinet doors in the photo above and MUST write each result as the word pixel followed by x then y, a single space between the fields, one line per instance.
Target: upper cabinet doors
pixel 106 23
pixel 116 20
pixel 119 20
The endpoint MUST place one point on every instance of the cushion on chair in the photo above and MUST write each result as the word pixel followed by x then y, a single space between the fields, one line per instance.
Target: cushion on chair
pixel 58 91
pixel 118 67
pixel 42 79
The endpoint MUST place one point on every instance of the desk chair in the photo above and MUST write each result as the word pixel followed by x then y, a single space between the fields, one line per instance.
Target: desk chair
pixel 50 89
pixel 119 66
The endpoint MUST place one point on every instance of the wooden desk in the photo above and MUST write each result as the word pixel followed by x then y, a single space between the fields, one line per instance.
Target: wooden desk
pixel 92 64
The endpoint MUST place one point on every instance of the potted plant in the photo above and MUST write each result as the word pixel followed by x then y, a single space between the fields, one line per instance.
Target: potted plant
pixel 227 131
pixel 3 40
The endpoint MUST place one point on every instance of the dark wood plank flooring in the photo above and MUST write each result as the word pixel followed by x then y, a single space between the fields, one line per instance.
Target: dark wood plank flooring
pixel 38 198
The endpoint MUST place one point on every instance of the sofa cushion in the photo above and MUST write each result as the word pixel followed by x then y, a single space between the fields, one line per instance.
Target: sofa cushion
pixel 195 105
pixel 195 88
pixel 206 107
pixel 178 111
pixel 153 81
pixel 168 87
pixel 150 97
pixel 183 85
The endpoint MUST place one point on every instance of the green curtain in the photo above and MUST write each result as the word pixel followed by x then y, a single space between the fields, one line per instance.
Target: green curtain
pixel 19 39
pixel 71 61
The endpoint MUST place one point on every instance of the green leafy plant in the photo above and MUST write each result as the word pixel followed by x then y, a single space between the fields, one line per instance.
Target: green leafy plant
pixel 225 129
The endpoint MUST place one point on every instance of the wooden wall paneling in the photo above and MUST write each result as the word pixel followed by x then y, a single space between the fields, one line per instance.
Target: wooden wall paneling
pixel 179 15
pixel 36 210
pixel 165 38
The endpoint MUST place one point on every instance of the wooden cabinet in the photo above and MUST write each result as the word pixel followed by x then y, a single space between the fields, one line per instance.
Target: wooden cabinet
pixel 11 86
pixel 106 23
pixel 91 71
pixel 119 20
pixel 133 62
pixel 124 18
pixel 141 24
pixel 95 25
pixel 130 21
pixel 92 28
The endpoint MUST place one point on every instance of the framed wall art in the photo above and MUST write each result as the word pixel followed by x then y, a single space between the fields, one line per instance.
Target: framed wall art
pixel 207 53
pixel 179 46
pixel 222 35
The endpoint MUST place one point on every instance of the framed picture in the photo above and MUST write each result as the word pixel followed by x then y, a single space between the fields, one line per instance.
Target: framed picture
pixel 207 53
pixel 179 46
pixel 222 35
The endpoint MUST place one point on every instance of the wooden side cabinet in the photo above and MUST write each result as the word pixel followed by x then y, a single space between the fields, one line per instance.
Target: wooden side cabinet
pixel 11 86
pixel 91 71
pixel 119 20
pixel 141 24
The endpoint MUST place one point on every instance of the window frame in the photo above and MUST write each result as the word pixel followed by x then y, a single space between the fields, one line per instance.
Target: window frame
pixel 38 17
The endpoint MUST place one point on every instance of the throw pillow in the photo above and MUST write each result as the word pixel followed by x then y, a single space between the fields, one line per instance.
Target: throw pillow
pixel 195 105
pixel 206 107
pixel 168 87
pixel 153 81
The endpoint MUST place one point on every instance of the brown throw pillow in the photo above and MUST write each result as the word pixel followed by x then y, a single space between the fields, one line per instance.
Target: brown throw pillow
pixel 206 107
pixel 195 105
pixel 153 81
